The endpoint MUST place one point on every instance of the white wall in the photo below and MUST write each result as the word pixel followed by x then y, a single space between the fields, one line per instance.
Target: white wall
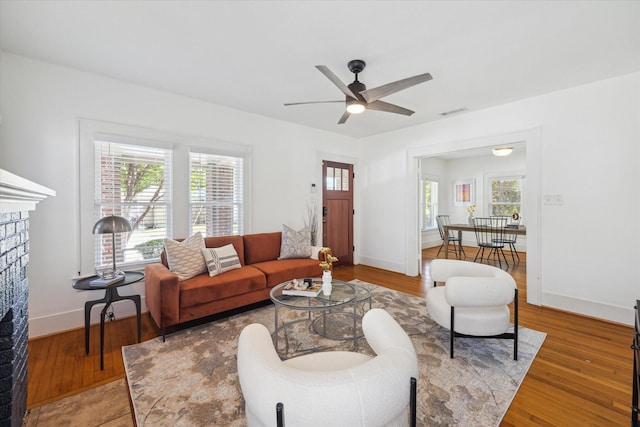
pixel 40 108
pixel 589 153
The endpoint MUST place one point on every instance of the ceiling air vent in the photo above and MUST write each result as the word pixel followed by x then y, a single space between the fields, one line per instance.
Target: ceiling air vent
pixel 456 111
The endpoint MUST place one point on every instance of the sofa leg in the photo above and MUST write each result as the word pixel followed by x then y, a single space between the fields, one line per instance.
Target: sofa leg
pixel 164 333
pixel 451 333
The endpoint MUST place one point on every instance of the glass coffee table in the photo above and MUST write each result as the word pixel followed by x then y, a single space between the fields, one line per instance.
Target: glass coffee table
pixel 343 296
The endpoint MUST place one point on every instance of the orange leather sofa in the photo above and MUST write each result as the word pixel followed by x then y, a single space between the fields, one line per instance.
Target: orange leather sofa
pixel 172 302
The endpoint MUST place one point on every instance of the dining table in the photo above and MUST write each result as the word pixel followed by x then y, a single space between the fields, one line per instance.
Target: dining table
pixel 521 230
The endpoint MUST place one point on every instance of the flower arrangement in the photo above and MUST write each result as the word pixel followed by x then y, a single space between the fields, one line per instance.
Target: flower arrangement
pixel 471 208
pixel 329 259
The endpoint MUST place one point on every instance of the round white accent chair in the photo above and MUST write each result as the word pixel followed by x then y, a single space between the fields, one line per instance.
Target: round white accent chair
pixel 474 300
pixel 335 388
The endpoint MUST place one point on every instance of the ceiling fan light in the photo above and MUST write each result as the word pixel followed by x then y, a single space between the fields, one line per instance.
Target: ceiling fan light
pixel 502 151
pixel 355 106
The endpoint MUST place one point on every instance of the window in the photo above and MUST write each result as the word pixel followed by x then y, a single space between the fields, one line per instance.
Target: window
pixel 337 179
pixel 430 204
pixel 160 182
pixel 506 195
pixel 216 196
pixel 132 181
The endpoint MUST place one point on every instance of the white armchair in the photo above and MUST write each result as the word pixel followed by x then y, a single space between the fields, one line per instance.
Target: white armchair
pixel 335 388
pixel 474 301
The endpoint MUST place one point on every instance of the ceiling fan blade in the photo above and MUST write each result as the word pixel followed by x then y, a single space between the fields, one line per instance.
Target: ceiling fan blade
pixel 336 81
pixel 313 102
pixel 376 93
pixel 344 117
pixel 389 108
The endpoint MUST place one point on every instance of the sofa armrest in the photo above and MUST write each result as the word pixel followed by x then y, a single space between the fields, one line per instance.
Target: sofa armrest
pixel 162 294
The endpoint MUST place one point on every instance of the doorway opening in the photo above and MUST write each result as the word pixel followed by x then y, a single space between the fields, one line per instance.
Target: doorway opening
pixel 531 139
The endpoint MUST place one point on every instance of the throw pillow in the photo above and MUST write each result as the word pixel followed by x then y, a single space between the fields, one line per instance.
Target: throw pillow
pixel 221 259
pixel 185 258
pixel 295 244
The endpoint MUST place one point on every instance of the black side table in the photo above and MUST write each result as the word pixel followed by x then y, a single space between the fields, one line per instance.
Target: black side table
pixel 111 295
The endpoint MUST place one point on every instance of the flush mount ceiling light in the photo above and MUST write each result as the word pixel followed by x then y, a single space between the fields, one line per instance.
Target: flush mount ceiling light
pixel 355 106
pixel 502 151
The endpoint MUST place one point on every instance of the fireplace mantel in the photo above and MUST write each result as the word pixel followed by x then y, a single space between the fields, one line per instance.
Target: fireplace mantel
pixel 18 194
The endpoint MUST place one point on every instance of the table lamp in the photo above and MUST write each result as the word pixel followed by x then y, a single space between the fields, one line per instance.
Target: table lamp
pixel 111 225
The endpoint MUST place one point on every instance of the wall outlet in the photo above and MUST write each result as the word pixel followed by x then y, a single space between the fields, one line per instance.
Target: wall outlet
pixel 552 199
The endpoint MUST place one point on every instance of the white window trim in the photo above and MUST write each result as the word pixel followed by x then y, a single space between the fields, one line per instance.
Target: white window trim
pixel 88 129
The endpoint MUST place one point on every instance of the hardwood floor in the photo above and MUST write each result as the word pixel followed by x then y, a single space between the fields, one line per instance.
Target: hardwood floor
pixel 581 376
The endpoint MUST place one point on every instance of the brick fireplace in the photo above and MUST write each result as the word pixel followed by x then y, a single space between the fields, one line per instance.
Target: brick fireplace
pixel 18 197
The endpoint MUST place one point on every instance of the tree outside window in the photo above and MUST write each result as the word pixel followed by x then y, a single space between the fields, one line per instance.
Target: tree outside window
pixel 506 196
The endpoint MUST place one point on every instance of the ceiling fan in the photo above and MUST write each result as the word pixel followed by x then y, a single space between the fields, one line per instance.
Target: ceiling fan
pixel 359 98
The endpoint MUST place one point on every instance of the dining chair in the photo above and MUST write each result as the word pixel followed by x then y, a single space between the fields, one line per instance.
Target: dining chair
pixel 443 220
pixel 490 236
pixel 509 239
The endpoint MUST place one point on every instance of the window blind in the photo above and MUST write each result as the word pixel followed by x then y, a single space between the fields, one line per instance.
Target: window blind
pixel 217 195
pixel 132 181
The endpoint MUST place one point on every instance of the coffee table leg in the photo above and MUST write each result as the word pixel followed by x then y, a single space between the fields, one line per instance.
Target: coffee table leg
pixel 355 332
pixel 275 333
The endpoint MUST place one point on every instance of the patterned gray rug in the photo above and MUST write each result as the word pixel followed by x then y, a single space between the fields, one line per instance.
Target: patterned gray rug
pixel 191 379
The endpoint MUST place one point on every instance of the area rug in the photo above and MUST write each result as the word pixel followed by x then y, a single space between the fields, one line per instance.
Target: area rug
pixel 191 379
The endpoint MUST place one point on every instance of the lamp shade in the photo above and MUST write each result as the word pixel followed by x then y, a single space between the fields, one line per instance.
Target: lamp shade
pixel 112 224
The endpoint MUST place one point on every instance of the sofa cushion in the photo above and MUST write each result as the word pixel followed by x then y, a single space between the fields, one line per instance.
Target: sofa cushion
pixel 261 247
pixel 279 271
pixel 185 258
pixel 220 260
pixel 202 289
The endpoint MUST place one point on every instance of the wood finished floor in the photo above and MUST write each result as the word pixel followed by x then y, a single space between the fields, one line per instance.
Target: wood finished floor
pixel 581 376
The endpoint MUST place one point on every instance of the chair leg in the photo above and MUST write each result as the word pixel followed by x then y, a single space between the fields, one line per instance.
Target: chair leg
pixel 515 325
pixel 451 334
pixel 413 402
pixel 462 249
pixel 477 252
pixel 441 246
pixel 503 256
pixel 279 414
pixel 514 251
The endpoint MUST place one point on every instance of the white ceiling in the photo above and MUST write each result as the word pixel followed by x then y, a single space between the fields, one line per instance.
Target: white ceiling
pixel 256 55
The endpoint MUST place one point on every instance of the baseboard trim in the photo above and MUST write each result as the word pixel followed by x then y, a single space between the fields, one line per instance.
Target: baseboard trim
pixel 597 310
pixel 74 319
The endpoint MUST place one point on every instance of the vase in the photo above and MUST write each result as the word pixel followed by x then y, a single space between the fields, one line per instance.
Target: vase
pixel 470 219
pixel 326 283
